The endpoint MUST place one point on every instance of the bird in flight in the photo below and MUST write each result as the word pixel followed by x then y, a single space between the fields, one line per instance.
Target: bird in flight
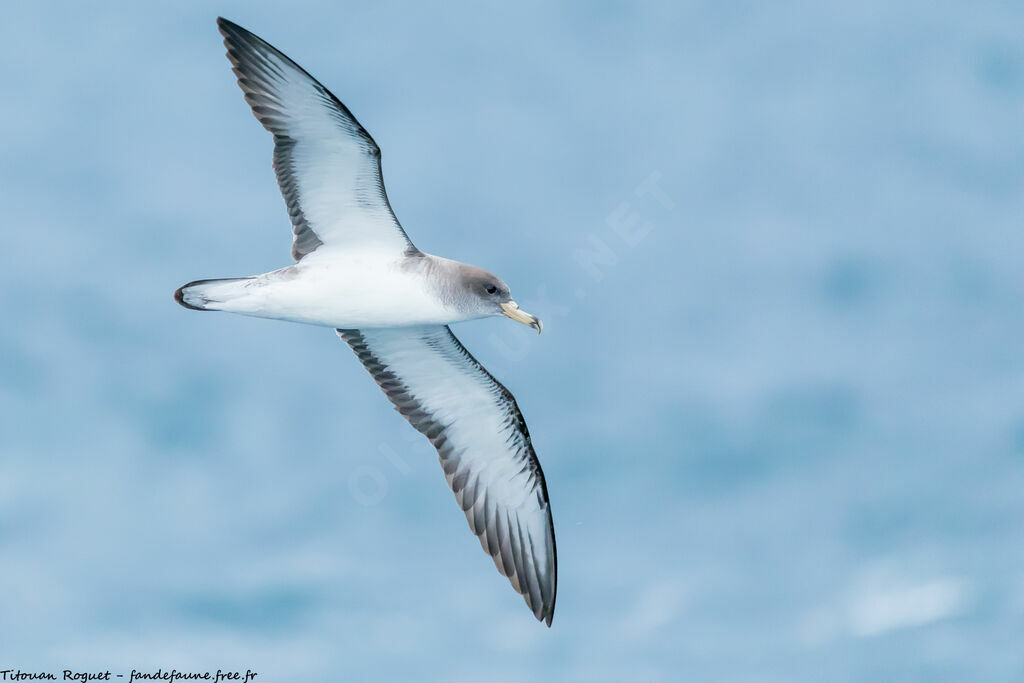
pixel 357 271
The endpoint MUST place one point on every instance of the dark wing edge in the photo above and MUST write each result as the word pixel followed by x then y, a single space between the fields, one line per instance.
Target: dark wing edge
pixel 252 61
pixel 505 543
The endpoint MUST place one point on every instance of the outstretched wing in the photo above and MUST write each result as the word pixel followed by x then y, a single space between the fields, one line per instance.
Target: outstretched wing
pixel 483 443
pixel 327 165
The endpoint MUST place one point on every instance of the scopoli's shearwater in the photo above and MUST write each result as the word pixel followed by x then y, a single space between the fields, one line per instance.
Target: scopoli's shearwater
pixel 357 271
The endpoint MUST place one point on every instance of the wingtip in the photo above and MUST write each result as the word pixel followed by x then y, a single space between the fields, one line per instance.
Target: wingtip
pixel 545 615
pixel 228 27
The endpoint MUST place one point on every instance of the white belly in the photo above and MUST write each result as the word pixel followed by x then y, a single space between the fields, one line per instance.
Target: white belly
pixel 344 291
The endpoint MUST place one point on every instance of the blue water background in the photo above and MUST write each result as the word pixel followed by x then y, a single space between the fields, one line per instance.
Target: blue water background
pixel 779 401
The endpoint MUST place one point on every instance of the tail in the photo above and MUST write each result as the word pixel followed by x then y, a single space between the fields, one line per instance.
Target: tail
pixel 209 295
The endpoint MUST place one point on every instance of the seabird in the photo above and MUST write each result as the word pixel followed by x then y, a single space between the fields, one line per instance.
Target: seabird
pixel 357 271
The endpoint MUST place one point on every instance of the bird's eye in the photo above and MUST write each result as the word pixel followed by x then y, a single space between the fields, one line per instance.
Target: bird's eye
pixel 491 289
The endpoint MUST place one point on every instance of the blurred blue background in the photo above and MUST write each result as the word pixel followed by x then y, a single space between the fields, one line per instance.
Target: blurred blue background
pixel 779 401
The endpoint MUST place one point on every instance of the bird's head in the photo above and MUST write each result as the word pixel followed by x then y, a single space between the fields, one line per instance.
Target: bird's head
pixel 491 296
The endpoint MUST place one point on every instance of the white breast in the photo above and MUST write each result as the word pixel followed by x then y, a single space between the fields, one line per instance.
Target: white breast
pixel 346 290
